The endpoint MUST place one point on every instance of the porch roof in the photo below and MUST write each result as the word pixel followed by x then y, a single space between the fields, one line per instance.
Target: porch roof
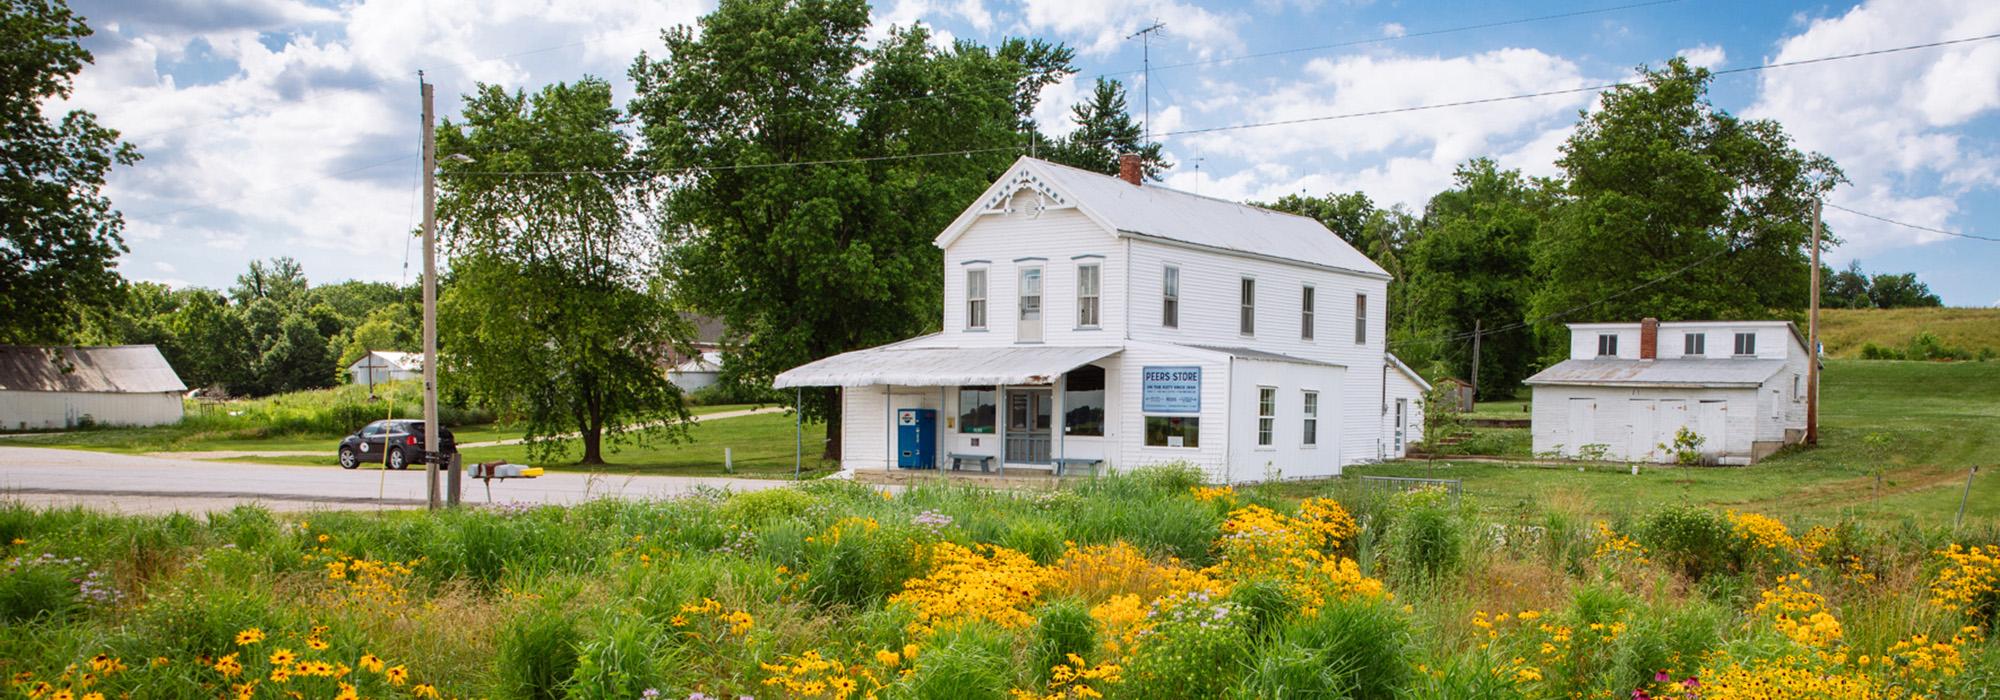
pixel 902 365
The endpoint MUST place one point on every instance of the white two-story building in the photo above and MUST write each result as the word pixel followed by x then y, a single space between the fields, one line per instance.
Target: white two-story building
pixel 1090 320
pixel 1627 389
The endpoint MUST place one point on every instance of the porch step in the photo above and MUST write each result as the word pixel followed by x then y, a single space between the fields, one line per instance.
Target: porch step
pixel 1017 478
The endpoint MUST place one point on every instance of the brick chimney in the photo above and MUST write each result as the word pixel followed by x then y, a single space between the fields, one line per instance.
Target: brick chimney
pixel 1649 339
pixel 1128 168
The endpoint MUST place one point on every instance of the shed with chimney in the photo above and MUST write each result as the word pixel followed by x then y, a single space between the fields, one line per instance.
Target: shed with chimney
pixel 1713 392
pixel 1103 322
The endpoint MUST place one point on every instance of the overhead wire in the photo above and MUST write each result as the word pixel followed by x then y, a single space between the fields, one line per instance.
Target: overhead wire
pixel 1906 224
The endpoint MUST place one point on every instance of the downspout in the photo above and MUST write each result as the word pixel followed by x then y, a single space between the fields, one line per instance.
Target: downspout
pixel 1382 455
pixel 889 428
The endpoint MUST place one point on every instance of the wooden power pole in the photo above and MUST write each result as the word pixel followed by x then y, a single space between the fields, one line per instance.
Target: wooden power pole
pixel 430 302
pixel 1472 397
pixel 1812 340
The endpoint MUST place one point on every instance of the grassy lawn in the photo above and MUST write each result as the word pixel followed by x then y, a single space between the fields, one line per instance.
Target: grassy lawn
pixel 1929 422
pixel 1516 407
pixel 1845 331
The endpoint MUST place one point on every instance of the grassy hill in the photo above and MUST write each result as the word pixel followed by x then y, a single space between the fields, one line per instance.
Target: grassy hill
pixel 1845 331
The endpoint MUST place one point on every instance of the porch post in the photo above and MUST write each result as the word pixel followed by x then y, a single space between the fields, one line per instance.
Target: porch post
pixel 798 431
pixel 1057 421
pixel 889 428
pixel 940 426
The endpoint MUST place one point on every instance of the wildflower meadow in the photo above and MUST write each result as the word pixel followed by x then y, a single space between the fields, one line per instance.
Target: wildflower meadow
pixel 1140 585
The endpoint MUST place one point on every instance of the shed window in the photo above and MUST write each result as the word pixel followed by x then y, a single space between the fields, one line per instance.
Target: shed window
pixel 975 298
pixel 1173 431
pixel 1306 313
pixel 1694 344
pixel 1170 297
pixel 1360 319
pixel 1087 295
pixel 976 409
pixel 1309 432
pixel 1607 345
pixel 1083 401
pixel 1267 415
pixel 1746 343
pixel 1246 321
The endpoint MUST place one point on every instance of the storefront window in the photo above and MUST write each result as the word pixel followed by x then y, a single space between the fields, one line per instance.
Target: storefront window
pixel 1173 431
pixel 976 409
pixel 1083 401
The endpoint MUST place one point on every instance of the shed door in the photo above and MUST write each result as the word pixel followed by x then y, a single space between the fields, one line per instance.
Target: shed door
pixel 1711 421
pixel 1641 440
pixel 1582 421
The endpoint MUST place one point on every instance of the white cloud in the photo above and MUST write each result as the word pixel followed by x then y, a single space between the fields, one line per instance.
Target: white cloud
pixel 1394 30
pixel 1097 27
pixel 167 268
pixel 1704 56
pixel 1889 120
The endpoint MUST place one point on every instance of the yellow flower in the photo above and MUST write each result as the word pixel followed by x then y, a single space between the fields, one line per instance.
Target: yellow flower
pixel 348 692
pixel 316 643
pixel 63 695
pixel 281 674
pixel 398 675
pixel 249 637
pixel 283 657
pixel 371 663
pixel 93 696
pixel 324 538
pixel 228 666
pixel 424 690
pixel 889 658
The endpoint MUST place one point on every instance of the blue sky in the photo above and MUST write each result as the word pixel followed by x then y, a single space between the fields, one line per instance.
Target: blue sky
pixel 288 127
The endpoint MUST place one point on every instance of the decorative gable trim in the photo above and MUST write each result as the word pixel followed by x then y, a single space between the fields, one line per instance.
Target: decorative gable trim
pixel 1023 188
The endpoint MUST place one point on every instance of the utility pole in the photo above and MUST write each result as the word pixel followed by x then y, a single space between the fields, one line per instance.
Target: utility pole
pixel 430 300
pixel 1472 397
pixel 1145 37
pixel 1812 340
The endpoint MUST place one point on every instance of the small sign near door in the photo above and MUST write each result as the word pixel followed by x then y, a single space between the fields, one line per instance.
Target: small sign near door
pixel 1175 389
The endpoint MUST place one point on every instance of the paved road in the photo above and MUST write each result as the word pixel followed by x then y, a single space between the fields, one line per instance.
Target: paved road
pixel 328 453
pixel 147 484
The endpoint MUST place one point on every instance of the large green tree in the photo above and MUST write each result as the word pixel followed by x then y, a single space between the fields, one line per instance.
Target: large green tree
pixel 1104 131
pixel 1660 179
pixel 59 236
pixel 805 200
pixel 1472 267
pixel 554 312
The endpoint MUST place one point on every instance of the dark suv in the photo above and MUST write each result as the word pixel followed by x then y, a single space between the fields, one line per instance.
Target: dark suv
pixel 396 442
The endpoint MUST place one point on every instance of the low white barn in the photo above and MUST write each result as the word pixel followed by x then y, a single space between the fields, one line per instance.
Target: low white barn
pixel 67 387
pixel 1090 320
pixel 697 372
pixel 1403 393
pixel 1628 388
pixel 384 366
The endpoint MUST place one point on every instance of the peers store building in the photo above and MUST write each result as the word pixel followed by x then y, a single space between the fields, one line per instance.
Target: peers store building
pixel 1095 321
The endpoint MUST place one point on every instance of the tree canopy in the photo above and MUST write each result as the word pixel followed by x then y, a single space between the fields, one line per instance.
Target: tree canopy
pixel 59 235
pixel 555 312
pixel 1475 273
pixel 1104 131
pixel 805 207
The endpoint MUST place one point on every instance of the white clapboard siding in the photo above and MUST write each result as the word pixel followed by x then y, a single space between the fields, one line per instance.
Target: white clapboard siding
pixel 1053 240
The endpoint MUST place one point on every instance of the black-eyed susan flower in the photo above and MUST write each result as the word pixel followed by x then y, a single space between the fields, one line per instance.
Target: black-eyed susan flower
pixel 371 663
pixel 283 657
pixel 397 675
pixel 228 666
pixel 424 690
pixel 316 643
pixel 250 636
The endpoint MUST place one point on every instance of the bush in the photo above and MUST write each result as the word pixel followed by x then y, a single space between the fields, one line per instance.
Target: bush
pixel 618 662
pixel 1356 648
pixel 1265 602
pixel 1195 649
pixel 1426 536
pixel 39 588
pixel 753 508
pixel 1871 351
pixel 858 561
pixel 1693 540
pixel 725 393
pixel 1062 628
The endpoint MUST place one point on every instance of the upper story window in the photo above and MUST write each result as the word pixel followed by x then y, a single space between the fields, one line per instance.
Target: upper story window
pixel 1746 344
pixel 1694 344
pixel 1029 328
pixel 1360 319
pixel 975 299
pixel 1306 313
pixel 1170 297
pixel 1246 320
pixel 1087 283
pixel 1607 345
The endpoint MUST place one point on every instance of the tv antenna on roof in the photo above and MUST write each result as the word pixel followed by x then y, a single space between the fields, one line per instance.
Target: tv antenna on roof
pixel 1198 158
pixel 1145 36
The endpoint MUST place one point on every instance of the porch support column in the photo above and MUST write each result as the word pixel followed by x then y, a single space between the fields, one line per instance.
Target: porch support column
pixel 1057 420
pixel 798 431
pixel 940 427
pixel 889 428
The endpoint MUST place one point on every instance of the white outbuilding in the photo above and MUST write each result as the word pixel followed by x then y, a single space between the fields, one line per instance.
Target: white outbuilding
pixel 1628 389
pixel 384 366
pixel 1092 321
pixel 48 388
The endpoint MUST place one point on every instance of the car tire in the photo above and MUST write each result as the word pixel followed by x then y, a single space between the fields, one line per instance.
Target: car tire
pixel 348 458
pixel 395 459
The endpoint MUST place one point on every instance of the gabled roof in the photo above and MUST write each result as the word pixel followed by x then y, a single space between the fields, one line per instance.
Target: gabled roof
pixel 1159 213
pixel 390 360
pixel 1397 362
pixel 122 369
pixel 1682 373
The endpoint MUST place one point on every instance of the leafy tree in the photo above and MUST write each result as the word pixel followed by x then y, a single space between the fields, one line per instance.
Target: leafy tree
pixel 59 236
pixel 1847 289
pixel 296 358
pixel 807 261
pixel 551 311
pixel 1473 264
pixel 392 327
pixel 1104 130
pixel 211 342
pixel 281 280
pixel 1658 179
pixel 1902 291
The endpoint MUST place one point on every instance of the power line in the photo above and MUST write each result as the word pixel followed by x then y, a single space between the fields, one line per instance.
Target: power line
pixel 1905 224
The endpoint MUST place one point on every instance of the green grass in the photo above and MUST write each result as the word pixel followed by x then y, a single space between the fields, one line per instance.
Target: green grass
pixel 1845 331
pixel 1930 423
pixel 1516 407
pixel 762 445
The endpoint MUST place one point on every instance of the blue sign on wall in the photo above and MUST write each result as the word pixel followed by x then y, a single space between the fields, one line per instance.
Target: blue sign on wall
pixel 1170 389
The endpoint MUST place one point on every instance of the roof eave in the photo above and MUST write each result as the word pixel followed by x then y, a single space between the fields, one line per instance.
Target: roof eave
pixel 1178 243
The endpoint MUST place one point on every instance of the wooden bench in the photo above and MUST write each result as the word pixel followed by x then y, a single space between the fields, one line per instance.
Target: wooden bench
pixel 1064 464
pixel 985 461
